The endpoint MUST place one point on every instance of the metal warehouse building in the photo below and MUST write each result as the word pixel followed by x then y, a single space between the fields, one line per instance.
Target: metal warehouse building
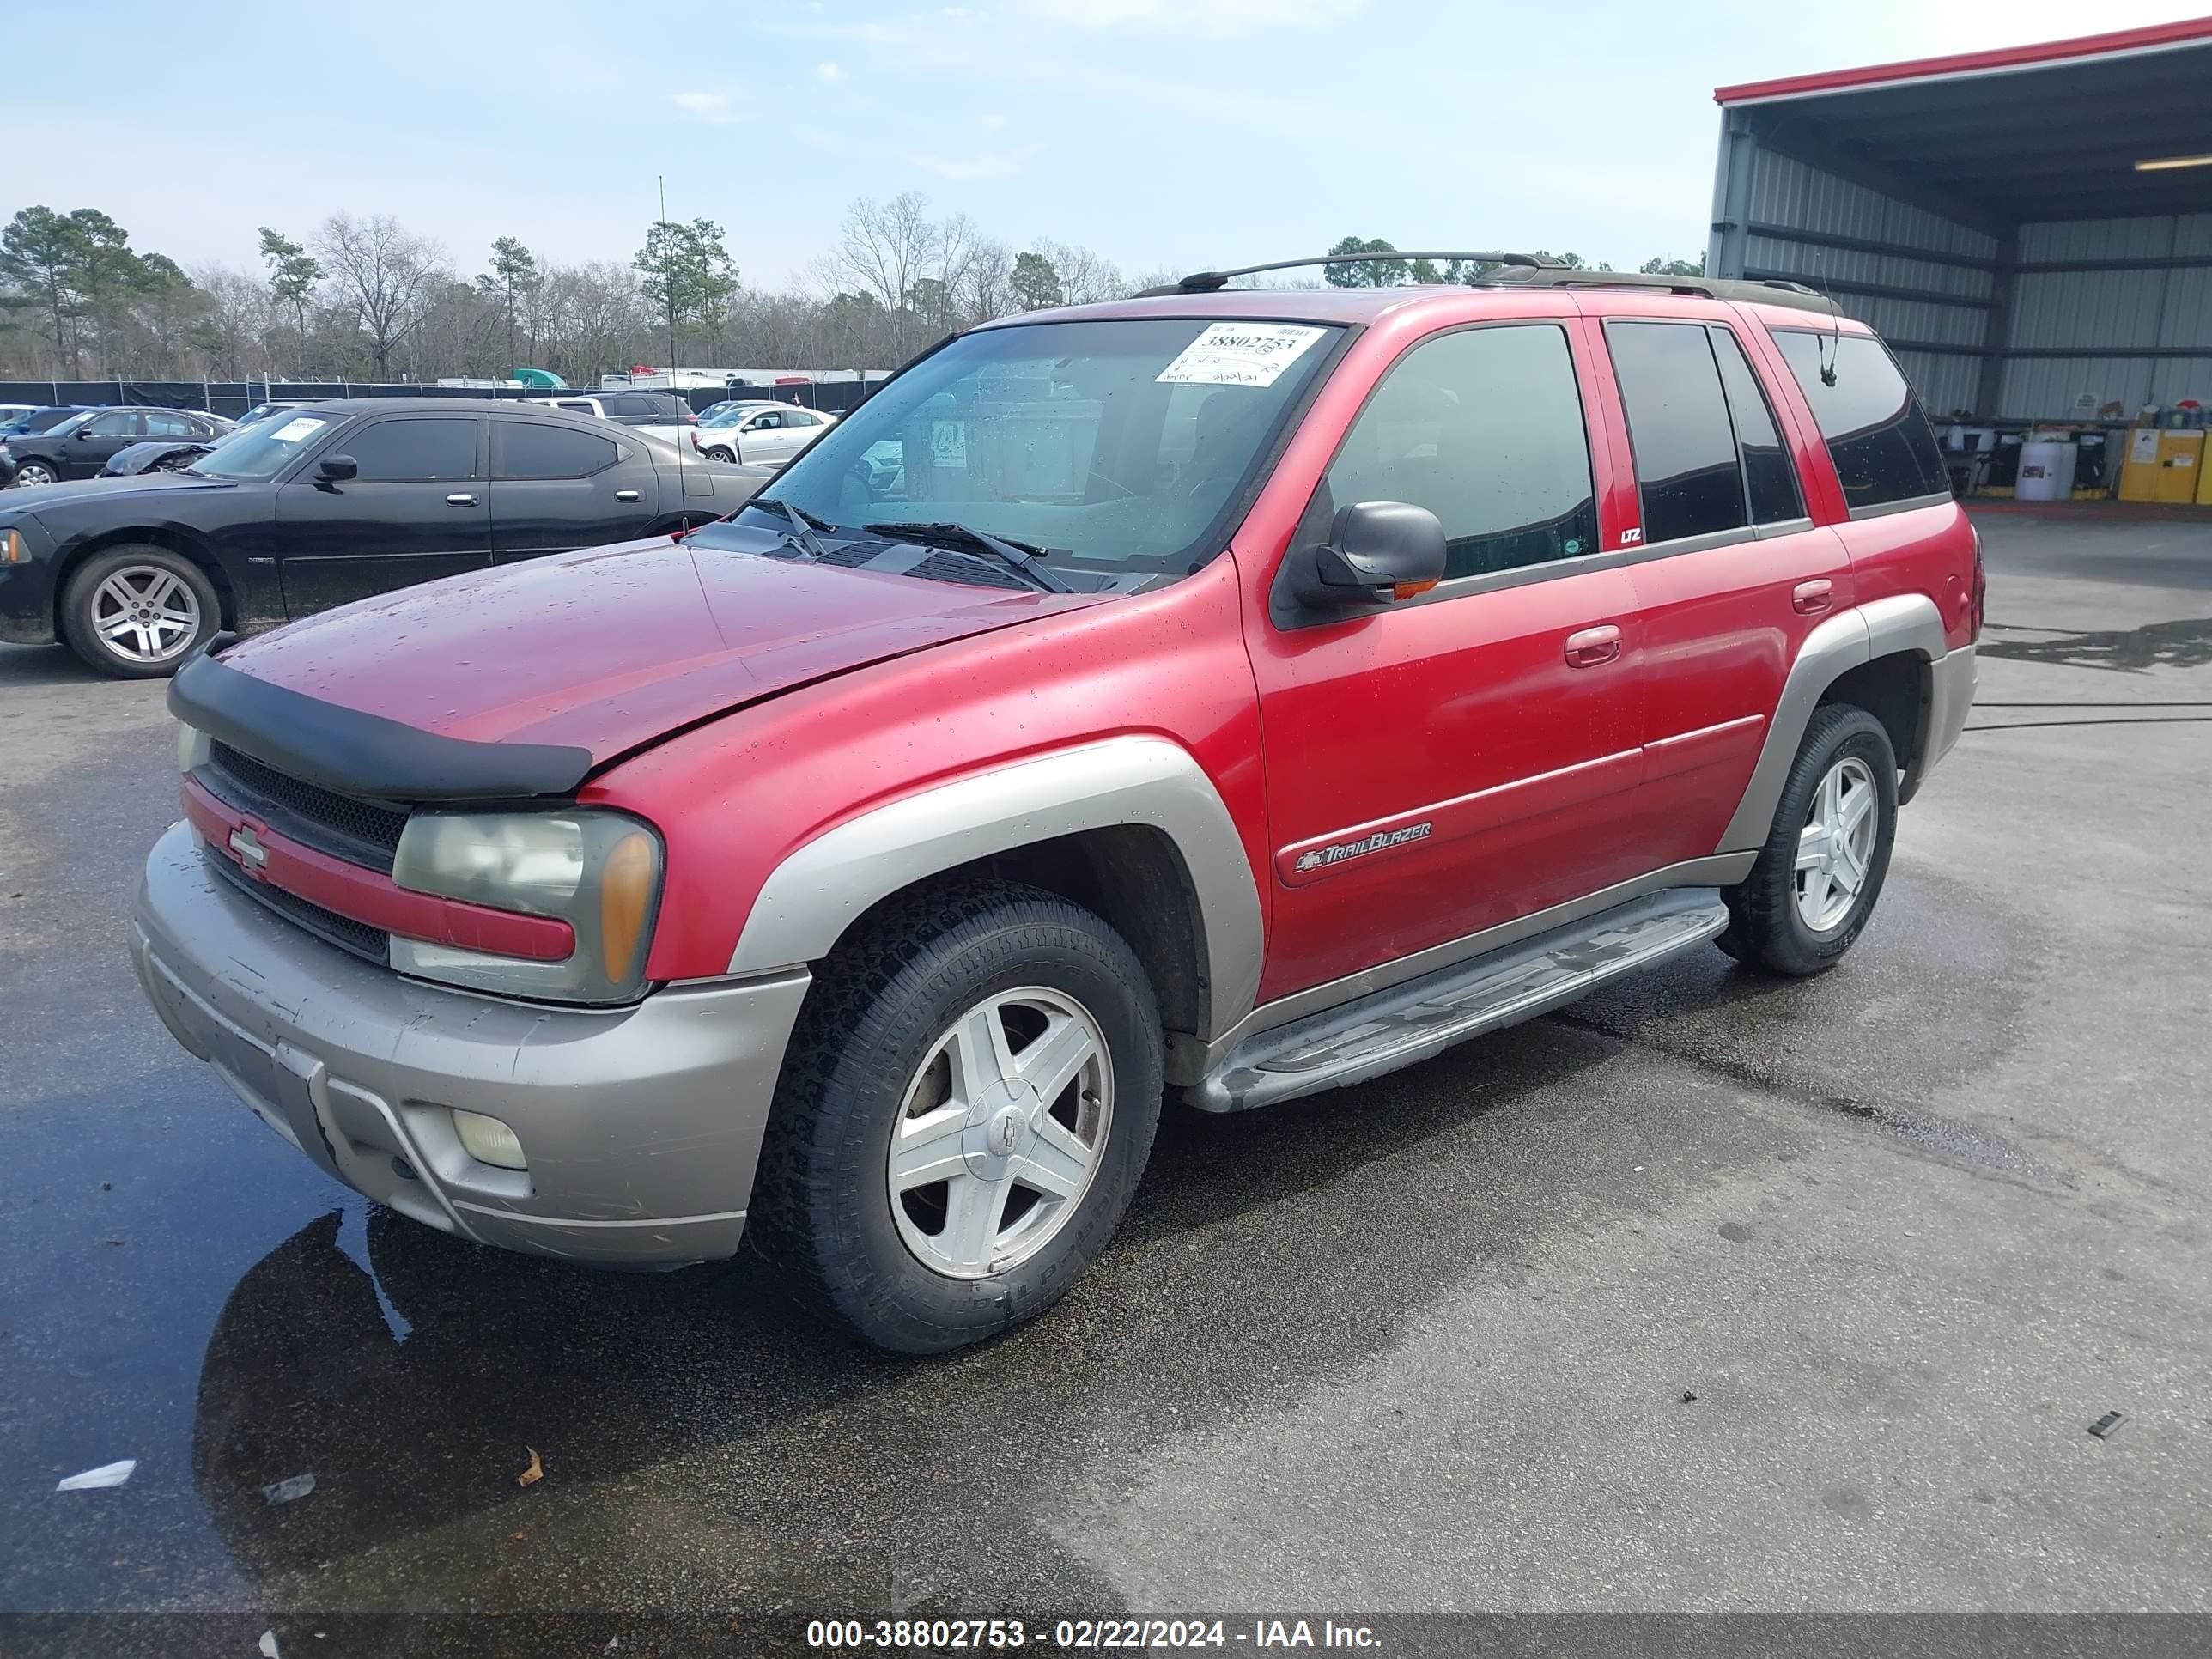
pixel 2031 229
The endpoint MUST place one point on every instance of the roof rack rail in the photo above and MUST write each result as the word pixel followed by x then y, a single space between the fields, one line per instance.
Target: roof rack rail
pixel 1767 290
pixel 1210 281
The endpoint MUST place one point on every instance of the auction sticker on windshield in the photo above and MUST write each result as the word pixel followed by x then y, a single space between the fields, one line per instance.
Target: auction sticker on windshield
pixel 1239 354
pixel 298 430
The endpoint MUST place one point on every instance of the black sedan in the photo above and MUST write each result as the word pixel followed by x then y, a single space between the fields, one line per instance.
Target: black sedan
pixel 80 446
pixel 42 419
pixel 333 503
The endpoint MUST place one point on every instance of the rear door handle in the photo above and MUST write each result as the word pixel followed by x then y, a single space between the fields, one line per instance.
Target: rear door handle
pixel 625 494
pixel 1810 598
pixel 460 500
pixel 1593 646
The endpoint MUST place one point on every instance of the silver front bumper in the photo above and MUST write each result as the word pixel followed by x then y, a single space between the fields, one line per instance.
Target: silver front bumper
pixel 641 1125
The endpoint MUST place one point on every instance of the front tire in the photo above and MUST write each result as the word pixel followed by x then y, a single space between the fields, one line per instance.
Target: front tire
pixel 719 453
pixel 962 1116
pixel 138 612
pixel 31 474
pixel 1809 895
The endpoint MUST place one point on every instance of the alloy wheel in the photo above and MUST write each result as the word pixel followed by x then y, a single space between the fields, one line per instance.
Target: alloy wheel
pixel 1000 1132
pixel 146 614
pixel 32 473
pixel 1835 849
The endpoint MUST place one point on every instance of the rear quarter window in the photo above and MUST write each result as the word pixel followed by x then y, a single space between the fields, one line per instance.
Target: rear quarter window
pixel 1876 432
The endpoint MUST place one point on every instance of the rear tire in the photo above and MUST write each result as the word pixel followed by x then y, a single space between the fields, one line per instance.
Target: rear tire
pixel 137 612
pixel 895 1188
pixel 1809 895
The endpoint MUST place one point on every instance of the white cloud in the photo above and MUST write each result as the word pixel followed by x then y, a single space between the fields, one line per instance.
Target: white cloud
pixel 1198 16
pixel 830 72
pixel 984 164
pixel 712 107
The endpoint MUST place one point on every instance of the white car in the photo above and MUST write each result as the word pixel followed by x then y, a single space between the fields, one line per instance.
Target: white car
pixel 658 413
pixel 767 432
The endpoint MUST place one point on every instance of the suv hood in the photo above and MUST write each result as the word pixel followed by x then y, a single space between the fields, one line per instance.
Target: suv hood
pixel 607 650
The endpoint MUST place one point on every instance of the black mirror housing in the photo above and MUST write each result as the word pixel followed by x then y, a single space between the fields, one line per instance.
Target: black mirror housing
pixel 338 468
pixel 1376 552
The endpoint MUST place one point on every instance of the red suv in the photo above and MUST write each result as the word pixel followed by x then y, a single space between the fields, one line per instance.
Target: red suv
pixel 1241 692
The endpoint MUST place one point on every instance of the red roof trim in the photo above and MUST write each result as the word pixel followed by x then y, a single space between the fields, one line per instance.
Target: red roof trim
pixel 2191 30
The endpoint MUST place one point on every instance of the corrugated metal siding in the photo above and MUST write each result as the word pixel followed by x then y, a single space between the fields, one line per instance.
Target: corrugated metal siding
pixel 2109 312
pixel 1945 381
pixel 1784 191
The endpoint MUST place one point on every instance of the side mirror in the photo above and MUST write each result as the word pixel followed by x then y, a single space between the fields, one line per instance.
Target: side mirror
pixel 81 434
pixel 338 468
pixel 1376 552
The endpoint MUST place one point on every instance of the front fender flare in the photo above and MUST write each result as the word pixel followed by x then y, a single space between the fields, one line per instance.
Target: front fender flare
pixel 815 894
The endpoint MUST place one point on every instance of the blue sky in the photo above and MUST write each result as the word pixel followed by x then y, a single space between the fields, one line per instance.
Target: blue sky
pixel 1166 134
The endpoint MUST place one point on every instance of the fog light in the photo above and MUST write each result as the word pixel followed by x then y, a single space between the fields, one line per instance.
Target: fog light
pixel 488 1142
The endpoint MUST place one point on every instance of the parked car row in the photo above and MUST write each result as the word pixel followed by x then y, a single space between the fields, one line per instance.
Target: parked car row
pixel 79 442
pixel 312 506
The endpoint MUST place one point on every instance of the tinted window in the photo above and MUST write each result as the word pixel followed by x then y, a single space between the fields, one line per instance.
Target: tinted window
pixel 1767 468
pixel 629 407
pixel 528 450
pixel 415 451
pixel 1485 429
pixel 1678 425
pixel 1878 437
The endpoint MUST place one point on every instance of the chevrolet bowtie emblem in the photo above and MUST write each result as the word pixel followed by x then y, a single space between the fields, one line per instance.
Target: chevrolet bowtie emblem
pixel 248 845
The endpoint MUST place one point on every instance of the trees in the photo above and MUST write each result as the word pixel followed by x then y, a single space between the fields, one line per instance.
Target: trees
pixel 293 274
pixel 386 275
pixel 1378 273
pixel 1673 267
pixel 514 273
pixel 40 254
pixel 77 272
pixel 688 276
pixel 1035 284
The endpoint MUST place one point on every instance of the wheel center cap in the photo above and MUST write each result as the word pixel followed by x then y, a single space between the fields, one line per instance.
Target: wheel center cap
pixel 1000 1127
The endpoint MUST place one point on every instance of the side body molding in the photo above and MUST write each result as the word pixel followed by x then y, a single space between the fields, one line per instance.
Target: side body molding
pixel 814 894
pixel 1902 623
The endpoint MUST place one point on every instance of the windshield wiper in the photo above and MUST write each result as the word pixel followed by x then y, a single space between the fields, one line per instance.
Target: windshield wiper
pixel 803 526
pixel 1017 556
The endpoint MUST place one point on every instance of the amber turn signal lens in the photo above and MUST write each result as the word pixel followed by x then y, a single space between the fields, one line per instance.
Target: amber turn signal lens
pixel 625 895
pixel 13 549
pixel 1408 590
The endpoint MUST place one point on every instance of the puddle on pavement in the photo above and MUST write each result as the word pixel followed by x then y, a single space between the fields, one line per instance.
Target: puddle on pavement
pixel 2179 642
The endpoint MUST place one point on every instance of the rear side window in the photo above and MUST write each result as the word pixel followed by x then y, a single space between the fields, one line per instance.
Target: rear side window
pixel 1878 436
pixel 528 450
pixel 630 407
pixel 1485 429
pixel 1687 470
pixel 415 451
pixel 1768 472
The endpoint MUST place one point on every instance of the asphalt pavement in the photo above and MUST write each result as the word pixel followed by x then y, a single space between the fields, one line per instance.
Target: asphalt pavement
pixel 1708 1293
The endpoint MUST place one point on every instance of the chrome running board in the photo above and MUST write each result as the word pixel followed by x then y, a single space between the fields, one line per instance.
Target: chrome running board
pixel 1423 1018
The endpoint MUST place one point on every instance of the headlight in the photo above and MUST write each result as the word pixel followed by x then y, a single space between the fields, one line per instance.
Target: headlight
pixel 192 747
pixel 598 872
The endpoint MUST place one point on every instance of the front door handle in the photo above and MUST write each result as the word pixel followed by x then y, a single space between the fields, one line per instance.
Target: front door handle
pixel 1593 646
pixel 1810 598
pixel 460 500
pixel 625 494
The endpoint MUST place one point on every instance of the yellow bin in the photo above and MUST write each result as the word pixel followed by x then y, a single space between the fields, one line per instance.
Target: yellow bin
pixel 2163 467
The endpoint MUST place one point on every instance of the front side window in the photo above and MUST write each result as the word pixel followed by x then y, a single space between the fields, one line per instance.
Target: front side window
pixel 415 451
pixel 770 422
pixel 1118 445
pixel 115 423
pixel 1485 429
pixel 1686 468
pixel 1877 434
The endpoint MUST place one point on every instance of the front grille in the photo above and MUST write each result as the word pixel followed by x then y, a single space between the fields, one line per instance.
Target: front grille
pixel 370 944
pixel 361 832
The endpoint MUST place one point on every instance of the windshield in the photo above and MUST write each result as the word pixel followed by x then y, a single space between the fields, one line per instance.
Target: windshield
pixel 1121 445
pixel 729 414
pixel 42 420
pixel 264 449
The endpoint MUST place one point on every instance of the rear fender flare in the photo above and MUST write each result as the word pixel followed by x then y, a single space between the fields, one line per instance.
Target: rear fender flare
pixel 816 893
pixel 1904 623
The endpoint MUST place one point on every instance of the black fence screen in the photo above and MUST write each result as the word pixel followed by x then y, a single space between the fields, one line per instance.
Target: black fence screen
pixel 233 397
